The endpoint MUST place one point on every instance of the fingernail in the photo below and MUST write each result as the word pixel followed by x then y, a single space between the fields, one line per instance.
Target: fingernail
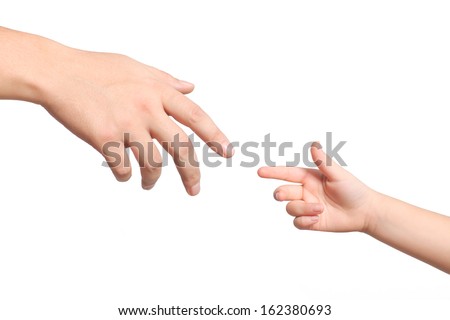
pixel 317 208
pixel 316 144
pixel 276 195
pixel 194 190
pixel 149 187
pixel 186 83
pixel 227 149
pixel 314 218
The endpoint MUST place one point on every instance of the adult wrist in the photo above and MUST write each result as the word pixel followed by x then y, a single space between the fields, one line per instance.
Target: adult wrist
pixel 29 65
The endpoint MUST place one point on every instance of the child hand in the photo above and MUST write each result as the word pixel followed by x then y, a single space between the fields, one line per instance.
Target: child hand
pixel 327 199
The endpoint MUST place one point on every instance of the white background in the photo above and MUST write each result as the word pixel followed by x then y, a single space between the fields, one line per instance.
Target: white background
pixel 76 244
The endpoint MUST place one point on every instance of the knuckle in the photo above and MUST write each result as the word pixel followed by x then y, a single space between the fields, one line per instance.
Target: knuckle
pixel 126 123
pixel 147 108
pixel 155 85
pixel 166 76
pixel 153 170
pixel 183 154
pixel 196 115
pixel 191 178
pixel 108 134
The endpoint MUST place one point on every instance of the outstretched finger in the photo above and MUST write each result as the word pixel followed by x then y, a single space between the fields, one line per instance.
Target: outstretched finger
pixel 178 145
pixel 291 174
pixel 190 114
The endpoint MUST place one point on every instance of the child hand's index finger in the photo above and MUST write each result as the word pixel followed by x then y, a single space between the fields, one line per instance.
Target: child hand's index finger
pixel 291 174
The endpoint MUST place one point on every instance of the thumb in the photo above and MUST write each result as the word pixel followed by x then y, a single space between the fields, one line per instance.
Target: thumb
pixel 326 165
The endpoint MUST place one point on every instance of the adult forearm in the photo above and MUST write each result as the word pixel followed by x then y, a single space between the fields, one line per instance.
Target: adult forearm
pixel 420 233
pixel 27 65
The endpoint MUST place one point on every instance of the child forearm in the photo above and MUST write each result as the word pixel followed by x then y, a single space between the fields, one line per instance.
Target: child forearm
pixel 420 233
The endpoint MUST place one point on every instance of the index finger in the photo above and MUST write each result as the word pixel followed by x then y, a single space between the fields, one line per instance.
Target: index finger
pixel 291 174
pixel 190 114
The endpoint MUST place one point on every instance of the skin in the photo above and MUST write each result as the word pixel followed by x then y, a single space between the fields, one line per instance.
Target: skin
pixel 106 98
pixel 331 199
pixel 102 96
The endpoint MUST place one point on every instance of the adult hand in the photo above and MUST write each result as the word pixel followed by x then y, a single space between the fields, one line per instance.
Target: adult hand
pixel 112 102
